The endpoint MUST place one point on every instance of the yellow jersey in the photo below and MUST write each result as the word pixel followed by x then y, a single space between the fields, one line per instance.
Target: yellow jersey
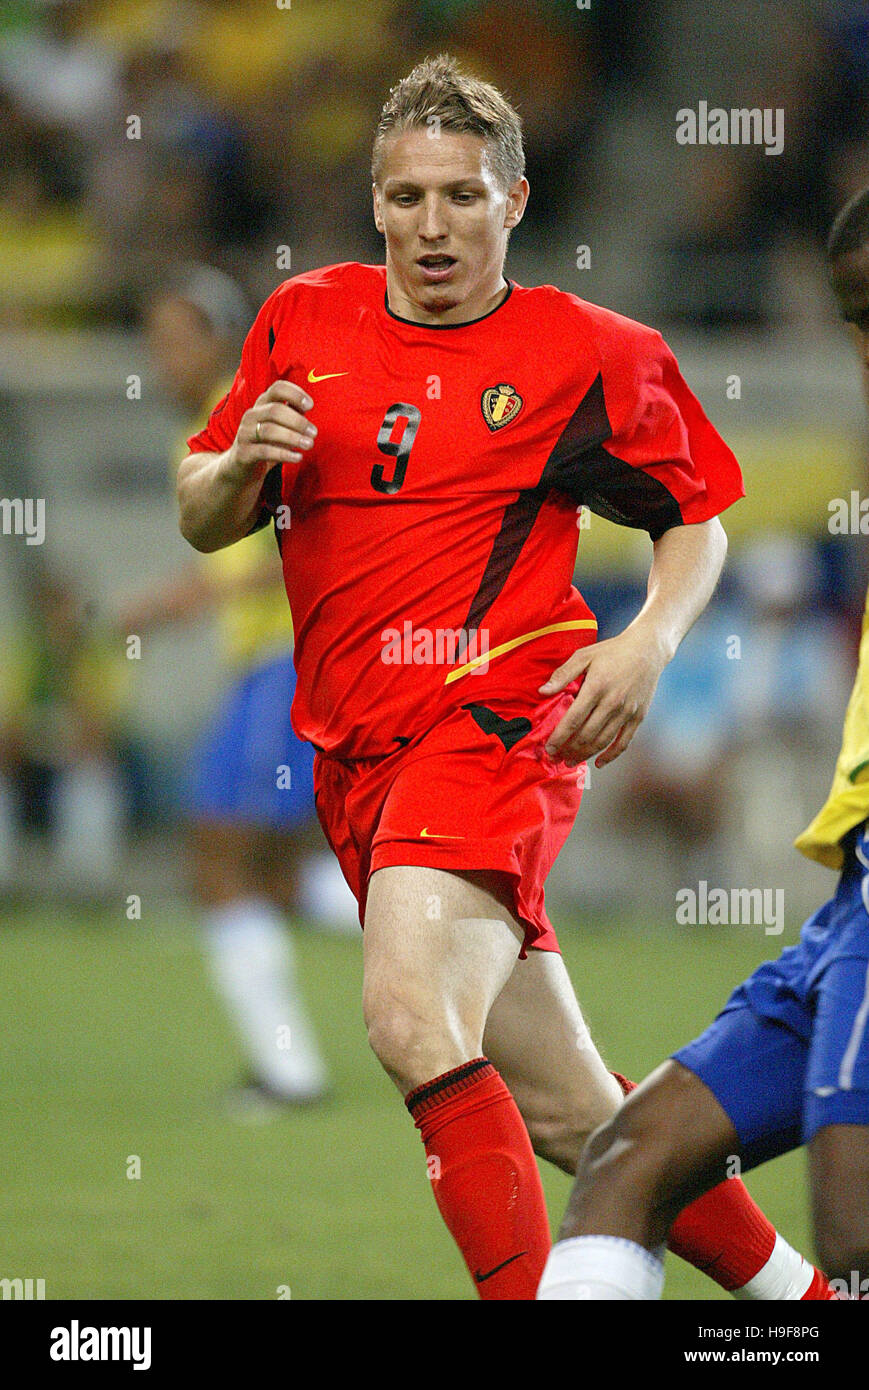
pixel 255 625
pixel 848 802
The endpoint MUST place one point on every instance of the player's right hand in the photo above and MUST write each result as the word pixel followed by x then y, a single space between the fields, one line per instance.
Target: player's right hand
pixel 285 435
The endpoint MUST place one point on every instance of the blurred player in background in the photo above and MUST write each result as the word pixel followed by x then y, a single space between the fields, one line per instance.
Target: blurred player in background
pixel 677 788
pixel 460 421
pixel 787 1061
pixel 249 797
pixel 63 694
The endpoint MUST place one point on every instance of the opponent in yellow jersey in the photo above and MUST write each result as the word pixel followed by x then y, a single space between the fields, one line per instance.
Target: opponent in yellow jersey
pixel 785 1063
pixel 64 748
pixel 248 797
pixel 848 802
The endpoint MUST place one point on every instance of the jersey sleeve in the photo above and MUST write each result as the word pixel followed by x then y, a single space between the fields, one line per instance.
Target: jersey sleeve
pixel 644 453
pixel 254 375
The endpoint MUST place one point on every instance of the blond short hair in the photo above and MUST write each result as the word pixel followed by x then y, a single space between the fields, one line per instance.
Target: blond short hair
pixel 437 90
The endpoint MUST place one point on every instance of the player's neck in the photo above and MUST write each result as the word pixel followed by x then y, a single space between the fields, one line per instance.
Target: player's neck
pixel 475 306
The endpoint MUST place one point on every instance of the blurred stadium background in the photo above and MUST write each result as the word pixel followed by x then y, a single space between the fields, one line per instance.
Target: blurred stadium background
pixel 256 122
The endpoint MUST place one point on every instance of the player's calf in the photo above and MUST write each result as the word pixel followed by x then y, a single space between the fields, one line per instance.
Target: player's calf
pixel 561 1138
pixel 839 1164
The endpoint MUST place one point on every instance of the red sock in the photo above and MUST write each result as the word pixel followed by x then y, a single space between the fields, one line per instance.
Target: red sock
pixel 724 1233
pixel 484 1177
pixel 820 1290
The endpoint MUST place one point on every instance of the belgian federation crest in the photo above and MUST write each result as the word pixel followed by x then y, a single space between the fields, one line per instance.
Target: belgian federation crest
pixel 500 404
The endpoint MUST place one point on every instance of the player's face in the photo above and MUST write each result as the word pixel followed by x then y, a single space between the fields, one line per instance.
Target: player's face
pixel 188 357
pixel 445 218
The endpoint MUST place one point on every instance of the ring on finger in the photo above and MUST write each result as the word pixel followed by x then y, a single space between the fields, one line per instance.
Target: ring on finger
pixel 257 433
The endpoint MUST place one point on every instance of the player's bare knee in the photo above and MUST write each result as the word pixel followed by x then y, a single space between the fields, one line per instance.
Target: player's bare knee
pixel 393 1033
pixel 627 1152
pixel 624 1170
pixel 412 1044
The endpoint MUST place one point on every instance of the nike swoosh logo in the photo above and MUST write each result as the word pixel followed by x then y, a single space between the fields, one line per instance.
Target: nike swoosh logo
pixel 425 834
pixel 312 376
pixel 481 1278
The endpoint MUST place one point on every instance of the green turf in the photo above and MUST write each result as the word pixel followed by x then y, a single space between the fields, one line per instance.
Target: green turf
pixel 114 1047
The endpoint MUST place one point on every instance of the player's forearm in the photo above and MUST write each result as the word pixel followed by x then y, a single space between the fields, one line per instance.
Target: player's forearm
pixel 219 494
pixel 183 597
pixel 686 566
pixel 218 502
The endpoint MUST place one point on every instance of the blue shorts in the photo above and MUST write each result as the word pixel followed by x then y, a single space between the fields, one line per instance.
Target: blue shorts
pixel 248 766
pixel 789 1053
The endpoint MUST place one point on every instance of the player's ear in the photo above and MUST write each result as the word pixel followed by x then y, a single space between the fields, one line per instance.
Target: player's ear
pixel 378 215
pixel 517 201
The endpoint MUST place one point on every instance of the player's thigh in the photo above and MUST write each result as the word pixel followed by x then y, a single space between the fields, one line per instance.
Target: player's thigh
pixel 438 945
pixel 283 851
pixel 225 860
pixel 754 1064
pixel 537 1038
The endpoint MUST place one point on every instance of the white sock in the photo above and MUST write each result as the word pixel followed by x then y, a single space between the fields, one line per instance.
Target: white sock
pixel 601 1267
pixel 251 958
pixel 786 1275
pixel 89 817
pixel 325 897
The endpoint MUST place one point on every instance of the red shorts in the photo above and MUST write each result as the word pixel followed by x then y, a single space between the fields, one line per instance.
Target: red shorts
pixel 476 791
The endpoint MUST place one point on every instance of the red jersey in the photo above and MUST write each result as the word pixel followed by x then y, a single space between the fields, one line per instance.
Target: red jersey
pixel 429 538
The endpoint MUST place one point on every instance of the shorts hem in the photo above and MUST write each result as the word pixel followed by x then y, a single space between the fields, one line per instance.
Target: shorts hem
pixel 481 855
pixel 843 1108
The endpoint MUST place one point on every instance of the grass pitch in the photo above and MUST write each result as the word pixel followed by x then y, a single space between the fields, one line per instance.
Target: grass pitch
pixel 115 1050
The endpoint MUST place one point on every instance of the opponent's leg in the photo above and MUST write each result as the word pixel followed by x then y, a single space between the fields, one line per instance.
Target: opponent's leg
pixel 537 1038
pixel 665 1146
pixel 438 948
pixel 728 1100
pixel 839 1172
pixel 836 1115
pixel 251 958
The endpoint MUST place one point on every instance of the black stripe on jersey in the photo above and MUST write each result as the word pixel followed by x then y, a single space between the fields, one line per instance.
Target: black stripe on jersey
pixel 580 467
pixel 273 488
pixel 270 499
pixel 515 528
pixel 509 731
pixel 271 339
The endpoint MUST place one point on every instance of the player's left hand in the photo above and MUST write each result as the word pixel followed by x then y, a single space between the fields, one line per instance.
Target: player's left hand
pixel 621 675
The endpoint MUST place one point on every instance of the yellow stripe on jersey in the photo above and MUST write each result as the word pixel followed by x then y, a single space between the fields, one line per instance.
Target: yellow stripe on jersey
pixel 517 642
pixel 256 624
pixel 848 802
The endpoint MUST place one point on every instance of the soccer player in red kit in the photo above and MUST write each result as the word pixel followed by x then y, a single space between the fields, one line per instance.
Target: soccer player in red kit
pixel 423 435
